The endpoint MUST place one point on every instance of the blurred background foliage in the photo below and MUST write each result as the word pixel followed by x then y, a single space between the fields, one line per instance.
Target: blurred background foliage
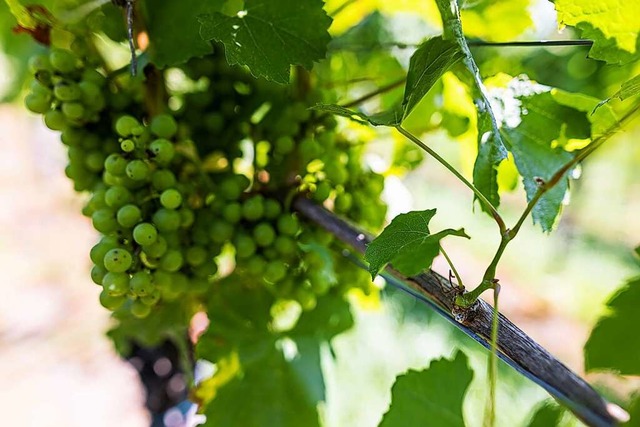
pixel 554 286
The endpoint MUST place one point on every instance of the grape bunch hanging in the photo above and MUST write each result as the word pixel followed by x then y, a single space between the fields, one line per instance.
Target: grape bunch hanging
pixel 193 182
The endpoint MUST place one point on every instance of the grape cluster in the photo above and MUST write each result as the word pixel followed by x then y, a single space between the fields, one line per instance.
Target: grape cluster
pixel 214 174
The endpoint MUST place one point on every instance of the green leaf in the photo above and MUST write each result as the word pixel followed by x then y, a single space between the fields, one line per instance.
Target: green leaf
pixel 432 397
pixel 173 29
pixel 429 62
pixel 548 414
pixel 613 25
pixel 407 244
pixel 371 34
pixel 629 88
pixel 535 128
pixel 266 394
pixel 613 344
pixel 496 20
pixel 491 152
pixel 269 36
pixel 634 412
pixel 386 118
pixel 279 381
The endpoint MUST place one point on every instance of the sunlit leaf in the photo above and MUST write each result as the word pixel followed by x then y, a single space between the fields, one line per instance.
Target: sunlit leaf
pixel 407 243
pixel 501 20
pixel 613 344
pixel 613 25
pixel 431 397
pixel 269 36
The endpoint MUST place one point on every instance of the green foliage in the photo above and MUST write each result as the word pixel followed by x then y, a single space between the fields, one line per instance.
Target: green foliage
pixel 385 118
pixel 174 35
pixel 500 21
pixel 271 35
pixel 429 62
pixel 613 26
pixel 612 344
pixel 431 397
pixel 634 412
pixel 280 379
pixel 548 414
pixel 407 243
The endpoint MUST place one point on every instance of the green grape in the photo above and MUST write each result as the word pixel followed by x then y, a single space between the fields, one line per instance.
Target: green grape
pixel 37 103
pixel 336 172
pixel 322 191
pixel 141 283
pixel 256 265
pixel 125 125
pixel 162 179
pixel 187 217
pixel 163 150
pixel 62 60
pixel 73 110
pixel 286 246
pixel 145 234
pixel 93 76
pixel 221 232
pixel 320 285
pixel 288 225
pixel 129 215
pixel 343 202
pixel 137 170
pixel 306 298
pixel 139 309
pixel 55 120
pixel 151 299
pixel 264 234
pixel 272 209
pixel 196 255
pixel 172 261
pixel 230 189
pixel 39 62
pixel 117 196
pixel 245 246
pixel 127 146
pixel 94 161
pixel 97 274
pixel 206 270
pixel 284 145
pixel 155 249
pixel 115 164
pixel 116 284
pixel 104 220
pixel 65 91
pixel 275 271
pixel 232 212
pixel 164 126
pixel 167 220
pixel 253 208
pixel 171 198
pixel 111 303
pixel 100 249
pixel 117 260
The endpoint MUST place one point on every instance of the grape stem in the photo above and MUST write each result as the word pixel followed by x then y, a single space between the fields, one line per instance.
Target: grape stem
pixel 453 268
pixel 481 197
pixel 373 94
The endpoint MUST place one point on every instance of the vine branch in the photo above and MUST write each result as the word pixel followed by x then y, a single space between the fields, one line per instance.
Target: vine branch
pixel 514 347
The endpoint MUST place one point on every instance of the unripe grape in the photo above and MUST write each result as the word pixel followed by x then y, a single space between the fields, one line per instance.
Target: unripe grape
pixel 127 145
pixel 275 271
pixel 245 246
pixel 322 192
pixel 232 212
pixel 156 249
pixel 111 302
pixel 55 120
pixel 171 261
pixel 196 255
pixel 139 309
pixel 129 215
pixel 163 151
pixel 145 234
pixel 104 220
pixel 171 198
pixel 73 110
pixel 117 196
pixel 62 60
pixel 221 232
pixel 137 170
pixel 264 234
pixel 253 208
pixel 163 179
pixel 116 284
pixel 115 164
pixel 118 260
pixel 164 126
pixel 141 283
pixel 97 274
pixel 65 91
pixel 37 103
pixel 288 225
pixel 125 125
pixel 167 220
pixel 272 208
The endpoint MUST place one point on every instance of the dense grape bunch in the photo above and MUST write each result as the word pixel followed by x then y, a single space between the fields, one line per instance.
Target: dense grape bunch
pixel 205 184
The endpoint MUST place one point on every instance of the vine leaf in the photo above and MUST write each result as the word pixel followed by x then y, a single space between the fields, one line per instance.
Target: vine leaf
pixel 429 62
pixel 417 397
pixel 267 377
pixel 269 36
pixel 629 88
pixel 496 20
pixel 391 117
pixel 613 25
pixel 407 244
pixel 547 414
pixel 612 344
pixel 491 152
pixel 537 129
pixel 173 30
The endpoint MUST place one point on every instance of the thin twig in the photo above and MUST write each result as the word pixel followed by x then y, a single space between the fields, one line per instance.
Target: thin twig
pixel 373 94
pixel 132 47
